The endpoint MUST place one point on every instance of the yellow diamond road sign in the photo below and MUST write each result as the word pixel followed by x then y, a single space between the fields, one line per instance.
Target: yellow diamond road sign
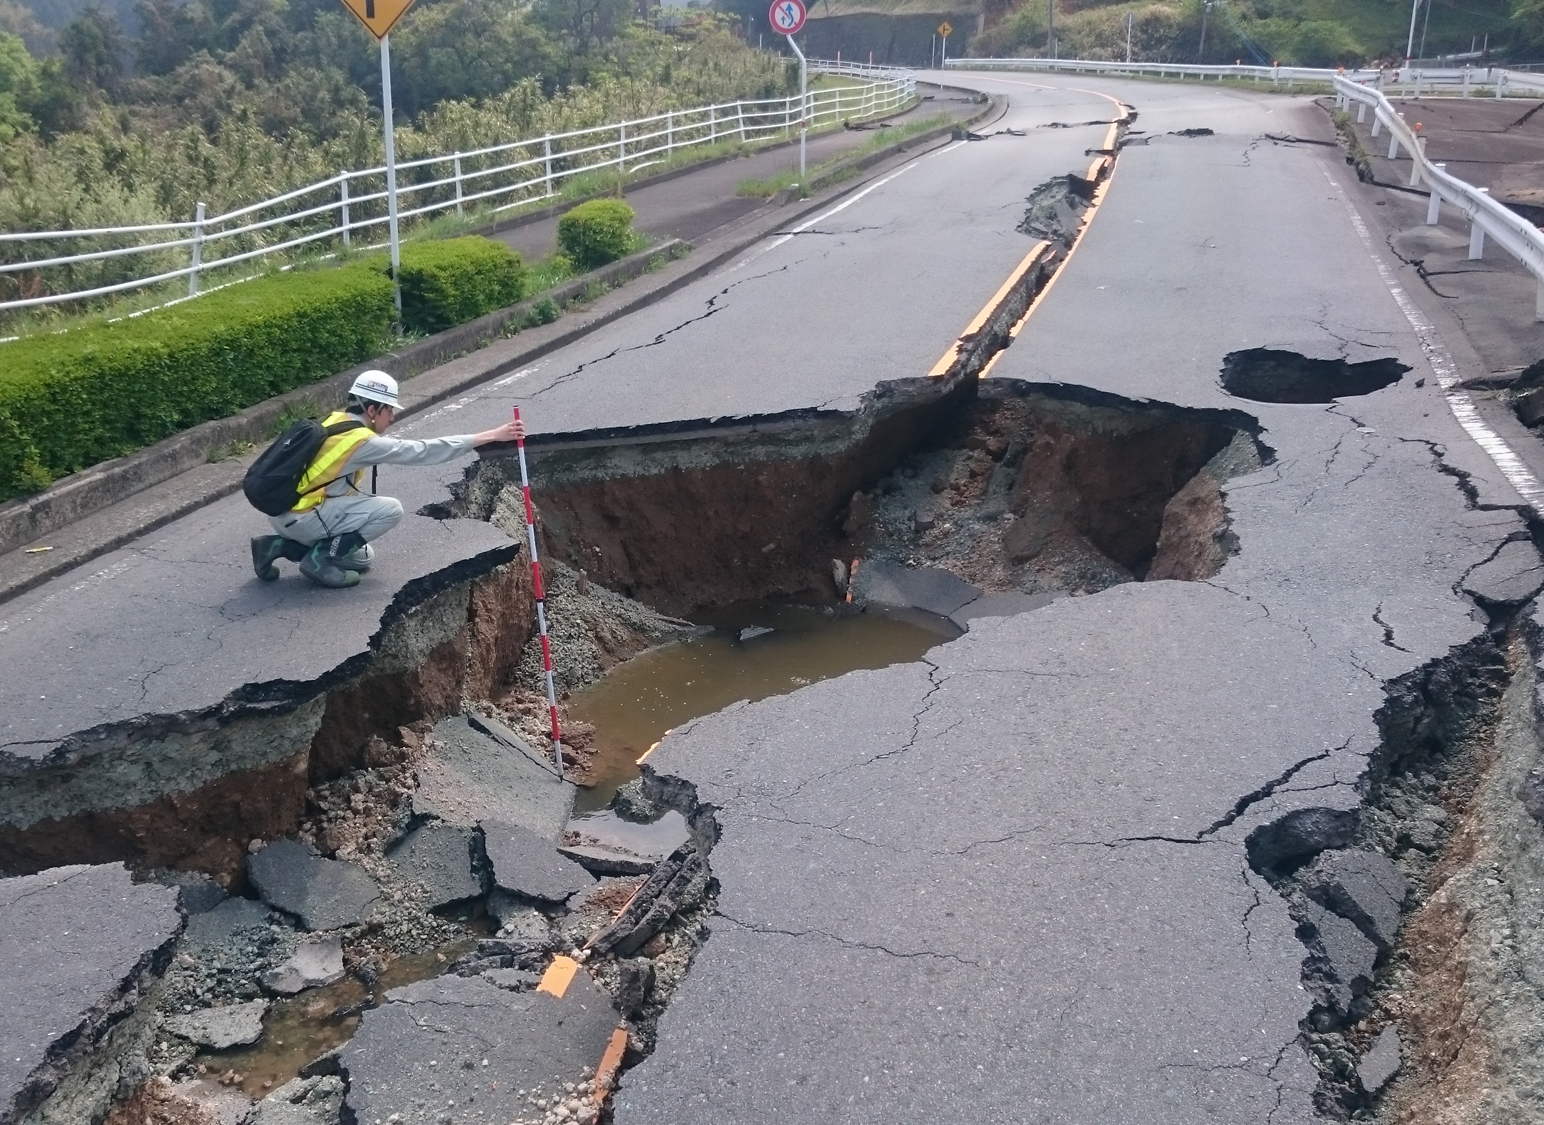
pixel 944 29
pixel 380 16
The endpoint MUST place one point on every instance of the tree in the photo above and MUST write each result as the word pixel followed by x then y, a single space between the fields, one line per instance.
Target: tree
pixel 584 26
pixel 18 80
pixel 93 48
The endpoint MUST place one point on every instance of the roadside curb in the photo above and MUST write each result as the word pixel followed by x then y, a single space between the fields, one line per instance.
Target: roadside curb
pixel 71 499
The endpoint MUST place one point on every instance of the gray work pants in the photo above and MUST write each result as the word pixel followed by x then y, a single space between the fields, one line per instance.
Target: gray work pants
pixel 371 516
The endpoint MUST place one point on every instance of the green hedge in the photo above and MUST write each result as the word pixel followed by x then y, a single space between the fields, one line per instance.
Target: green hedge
pixel 73 399
pixel 597 232
pixel 450 282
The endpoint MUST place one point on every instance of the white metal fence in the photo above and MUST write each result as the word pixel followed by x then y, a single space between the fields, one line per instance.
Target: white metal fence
pixel 1412 81
pixel 351 205
pixel 1486 216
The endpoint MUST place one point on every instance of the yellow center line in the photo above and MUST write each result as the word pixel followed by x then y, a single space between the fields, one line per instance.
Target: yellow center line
pixel 946 360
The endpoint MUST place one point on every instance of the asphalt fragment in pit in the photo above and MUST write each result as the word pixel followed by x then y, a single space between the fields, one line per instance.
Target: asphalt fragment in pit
pixel 1274 375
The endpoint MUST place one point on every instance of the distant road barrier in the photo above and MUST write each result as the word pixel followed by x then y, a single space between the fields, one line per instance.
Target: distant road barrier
pixel 1412 81
pixel 344 206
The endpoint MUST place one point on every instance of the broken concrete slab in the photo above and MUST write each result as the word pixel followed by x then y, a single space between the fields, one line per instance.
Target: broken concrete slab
pixel 1339 968
pixel 600 860
pixel 1364 887
pixel 1513 576
pixel 325 894
pixel 1299 835
pixel 515 980
pixel 221 1028
pixel 1001 605
pixel 316 962
pixel 80 946
pixel 302 1101
pixel 465 1048
pixel 527 864
pixel 470 777
pixel 504 736
pixel 1382 1060
pixel 223 922
pixel 516 918
pixel 925 588
pixel 438 856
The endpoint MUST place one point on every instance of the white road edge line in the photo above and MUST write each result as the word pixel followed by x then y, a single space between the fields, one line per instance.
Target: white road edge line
pixel 1518 475
pixel 842 206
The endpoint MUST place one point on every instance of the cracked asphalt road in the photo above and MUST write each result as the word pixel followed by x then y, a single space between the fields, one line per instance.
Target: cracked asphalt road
pixel 1007 882
pixel 1010 882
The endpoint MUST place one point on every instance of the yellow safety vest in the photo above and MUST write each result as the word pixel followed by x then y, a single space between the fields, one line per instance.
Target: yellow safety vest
pixel 329 462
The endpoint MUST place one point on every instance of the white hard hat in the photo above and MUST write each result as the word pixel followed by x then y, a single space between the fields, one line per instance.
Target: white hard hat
pixel 376 386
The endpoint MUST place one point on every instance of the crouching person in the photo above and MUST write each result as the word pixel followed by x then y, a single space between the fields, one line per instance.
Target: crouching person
pixel 330 529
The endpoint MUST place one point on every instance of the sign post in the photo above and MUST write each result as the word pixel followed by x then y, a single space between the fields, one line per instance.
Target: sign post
pixel 943 33
pixel 788 17
pixel 379 17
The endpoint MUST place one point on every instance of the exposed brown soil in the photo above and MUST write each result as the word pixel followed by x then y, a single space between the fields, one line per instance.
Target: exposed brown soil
pixel 206 829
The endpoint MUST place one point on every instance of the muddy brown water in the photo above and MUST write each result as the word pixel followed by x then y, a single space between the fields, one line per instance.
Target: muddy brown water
pixel 305 1027
pixel 642 699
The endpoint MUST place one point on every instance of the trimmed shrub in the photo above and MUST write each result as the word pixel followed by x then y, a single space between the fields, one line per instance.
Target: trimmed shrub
pixel 449 282
pixel 597 232
pixel 74 399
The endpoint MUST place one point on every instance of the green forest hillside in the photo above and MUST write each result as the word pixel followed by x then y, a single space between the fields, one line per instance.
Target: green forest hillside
pixel 1301 32
pixel 229 102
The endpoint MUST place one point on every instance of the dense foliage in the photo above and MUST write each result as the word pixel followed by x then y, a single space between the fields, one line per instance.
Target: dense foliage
pixel 596 232
pixel 232 101
pixel 450 282
pixel 1296 32
pixel 69 400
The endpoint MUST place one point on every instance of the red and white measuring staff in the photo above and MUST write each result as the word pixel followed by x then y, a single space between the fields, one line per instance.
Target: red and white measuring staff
pixel 541 603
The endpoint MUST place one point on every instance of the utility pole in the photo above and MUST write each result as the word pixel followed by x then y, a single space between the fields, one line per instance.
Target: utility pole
pixel 1129 18
pixel 1050 27
pixel 1206 8
pixel 1425 26
pixel 1415 7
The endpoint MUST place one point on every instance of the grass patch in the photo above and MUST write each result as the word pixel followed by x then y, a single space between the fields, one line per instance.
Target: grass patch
pixel 771 185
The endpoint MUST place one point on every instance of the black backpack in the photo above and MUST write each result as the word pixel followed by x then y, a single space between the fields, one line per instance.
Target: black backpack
pixel 272 484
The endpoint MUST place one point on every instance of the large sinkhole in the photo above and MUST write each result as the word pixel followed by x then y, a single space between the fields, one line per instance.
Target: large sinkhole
pixel 1271 375
pixel 398 846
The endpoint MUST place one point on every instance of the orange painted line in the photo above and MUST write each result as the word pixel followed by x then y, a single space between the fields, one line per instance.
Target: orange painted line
pixel 642 758
pixel 610 1063
pixel 559 975
pixel 947 359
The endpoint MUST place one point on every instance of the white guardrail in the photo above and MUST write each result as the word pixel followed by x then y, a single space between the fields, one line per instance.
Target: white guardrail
pixel 1405 82
pixel 514 174
pixel 1370 89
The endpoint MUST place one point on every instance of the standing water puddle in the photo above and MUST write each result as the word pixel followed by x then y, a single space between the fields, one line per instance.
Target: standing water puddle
pixel 642 699
pixel 301 1028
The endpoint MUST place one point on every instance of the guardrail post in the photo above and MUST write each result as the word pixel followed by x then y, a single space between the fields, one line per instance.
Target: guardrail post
pixel 1467 73
pixel 712 124
pixel 198 250
pixel 1394 145
pixel 546 149
pixel 622 148
pixel 1501 84
pixel 458 184
pixel 1415 160
pixel 1538 301
pixel 1361 112
pixel 1477 234
pixel 1377 124
pixel 669 134
pixel 1434 204
pixel 343 205
pixel 739 114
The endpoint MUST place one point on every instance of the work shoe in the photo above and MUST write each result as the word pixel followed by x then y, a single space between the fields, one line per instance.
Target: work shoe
pixel 323 563
pixel 269 549
pixel 359 558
